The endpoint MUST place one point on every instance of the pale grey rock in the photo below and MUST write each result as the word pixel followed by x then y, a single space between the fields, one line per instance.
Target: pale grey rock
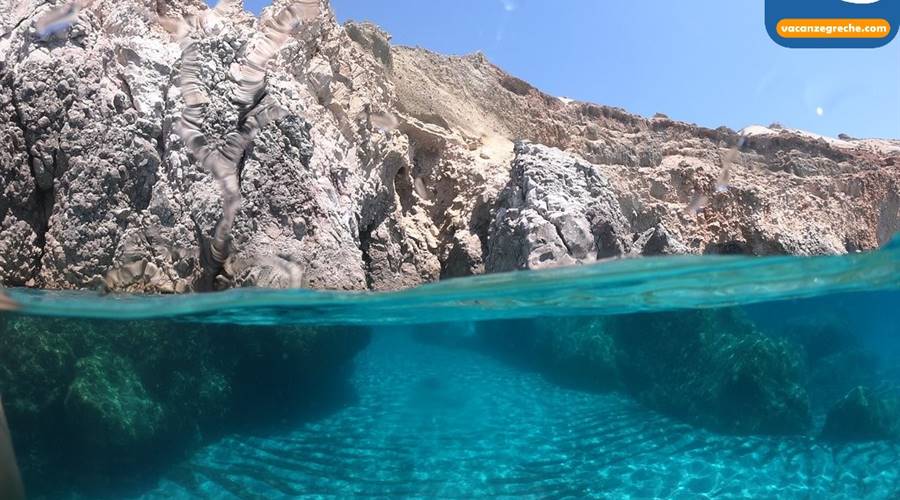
pixel 556 210
pixel 90 114
pixel 374 40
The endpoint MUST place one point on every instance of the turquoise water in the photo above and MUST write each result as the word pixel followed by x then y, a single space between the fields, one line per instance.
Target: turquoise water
pixel 657 378
pixel 615 287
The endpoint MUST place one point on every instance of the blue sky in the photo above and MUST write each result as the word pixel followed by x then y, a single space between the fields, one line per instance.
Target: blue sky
pixel 704 61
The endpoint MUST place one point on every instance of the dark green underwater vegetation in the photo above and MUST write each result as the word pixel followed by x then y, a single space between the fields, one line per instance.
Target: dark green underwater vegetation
pixel 714 369
pixel 92 400
pixel 98 406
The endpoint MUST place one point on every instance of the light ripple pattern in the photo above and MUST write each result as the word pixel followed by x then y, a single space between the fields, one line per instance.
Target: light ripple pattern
pixel 438 422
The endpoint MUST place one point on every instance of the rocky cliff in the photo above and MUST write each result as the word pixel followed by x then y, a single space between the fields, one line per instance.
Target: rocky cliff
pixel 385 167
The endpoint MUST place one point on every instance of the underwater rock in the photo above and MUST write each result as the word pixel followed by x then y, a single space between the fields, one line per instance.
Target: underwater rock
pixel 581 349
pixel 42 367
pixel 837 359
pixel 708 368
pixel 109 395
pixel 832 377
pixel 109 406
pixel 276 368
pixel 713 369
pixel 98 185
pixel 862 415
pixel 573 351
pixel 823 338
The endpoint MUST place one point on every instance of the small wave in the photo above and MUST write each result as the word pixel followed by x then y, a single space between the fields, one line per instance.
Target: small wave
pixel 613 287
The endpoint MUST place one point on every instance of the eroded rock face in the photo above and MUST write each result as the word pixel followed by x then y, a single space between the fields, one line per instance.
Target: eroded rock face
pixel 556 210
pixel 101 187
pixel 788 191
pixel 394 167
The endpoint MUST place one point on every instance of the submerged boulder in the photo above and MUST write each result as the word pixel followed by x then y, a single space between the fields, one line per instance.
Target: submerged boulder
pixel 575 351
pixel 832 377
pixel 862 415
pixel 34 369
pixel 110 406
pixel 87 399
pixel 713 369
pixel 583 349
pixel 838 360
pixel 280 369
pixel 822 338
pixel 709 368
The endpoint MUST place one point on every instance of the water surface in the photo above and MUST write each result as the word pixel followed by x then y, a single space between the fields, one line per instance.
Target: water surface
pixel 594 381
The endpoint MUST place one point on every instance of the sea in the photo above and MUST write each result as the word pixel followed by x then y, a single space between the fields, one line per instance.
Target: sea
pixel 672 377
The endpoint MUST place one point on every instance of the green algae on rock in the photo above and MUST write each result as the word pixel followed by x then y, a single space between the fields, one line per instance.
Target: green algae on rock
pixel 576 351
pixel 108 401
pixel 863 415
pixel 714 369
pixel 119 394
pixel 589 353
pixel 708 368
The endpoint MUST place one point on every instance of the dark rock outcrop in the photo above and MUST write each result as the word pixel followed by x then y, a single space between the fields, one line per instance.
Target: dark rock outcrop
pixel 714 369
pixel 108 395
pixel 862 415
pixel 709 368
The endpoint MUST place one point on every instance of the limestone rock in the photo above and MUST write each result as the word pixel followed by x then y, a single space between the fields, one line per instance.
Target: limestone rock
pixel 556 210
pixel 395 166
pixel 464 257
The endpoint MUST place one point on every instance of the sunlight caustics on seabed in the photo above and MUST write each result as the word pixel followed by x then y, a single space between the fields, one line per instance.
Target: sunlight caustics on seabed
pixel 437 422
